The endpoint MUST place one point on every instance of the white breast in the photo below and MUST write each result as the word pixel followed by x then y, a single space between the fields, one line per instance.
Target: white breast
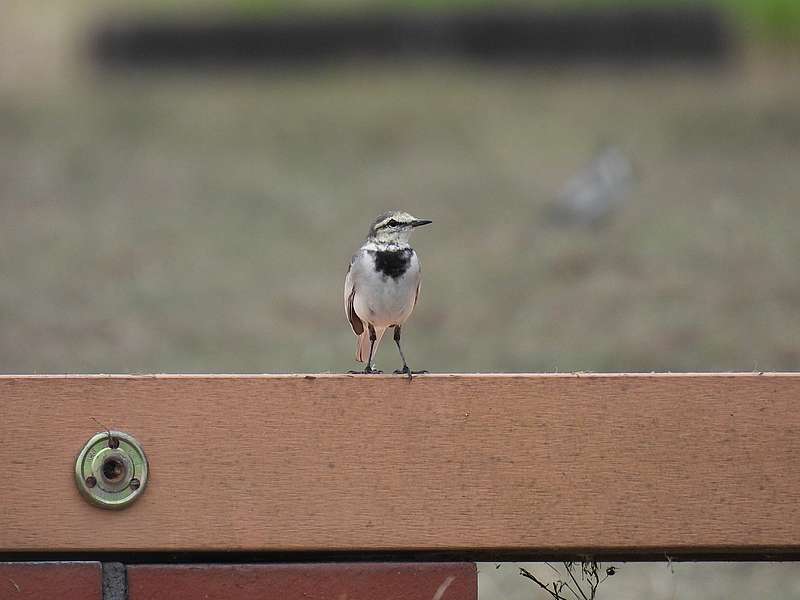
pixel 382 300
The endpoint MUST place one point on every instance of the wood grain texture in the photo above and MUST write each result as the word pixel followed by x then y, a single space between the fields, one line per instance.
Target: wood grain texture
pixel 602 463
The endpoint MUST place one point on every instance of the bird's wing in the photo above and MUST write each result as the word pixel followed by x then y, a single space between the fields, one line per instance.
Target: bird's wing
pixel 349 297
pixel 419 285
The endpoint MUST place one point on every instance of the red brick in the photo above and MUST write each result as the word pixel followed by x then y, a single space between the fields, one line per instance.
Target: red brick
pixel 48 580
pixel 349 581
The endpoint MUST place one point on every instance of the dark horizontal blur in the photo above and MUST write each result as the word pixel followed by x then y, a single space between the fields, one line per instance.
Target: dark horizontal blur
pixel 522 35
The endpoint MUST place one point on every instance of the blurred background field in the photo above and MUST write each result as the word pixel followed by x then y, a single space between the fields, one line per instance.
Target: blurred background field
pixel 196 222
pixel 203 221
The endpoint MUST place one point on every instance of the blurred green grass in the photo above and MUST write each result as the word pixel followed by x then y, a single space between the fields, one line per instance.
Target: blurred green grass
pixel 766 19
pixel 205 224
pixel 174 223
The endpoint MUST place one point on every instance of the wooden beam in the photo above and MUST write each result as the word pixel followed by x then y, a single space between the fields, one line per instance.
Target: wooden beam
pixel 622 464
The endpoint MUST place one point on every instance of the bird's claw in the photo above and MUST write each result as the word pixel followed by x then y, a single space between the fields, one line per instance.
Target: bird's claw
pixel 406 371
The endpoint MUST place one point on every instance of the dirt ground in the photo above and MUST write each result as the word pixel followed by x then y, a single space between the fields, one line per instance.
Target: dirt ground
pixel 203 223
pixel 655 581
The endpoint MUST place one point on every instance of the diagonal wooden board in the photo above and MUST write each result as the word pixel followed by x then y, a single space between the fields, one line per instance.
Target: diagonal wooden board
pixel 625 464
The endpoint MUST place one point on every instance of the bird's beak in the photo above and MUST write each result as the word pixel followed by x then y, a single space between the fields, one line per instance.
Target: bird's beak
pixel 420 222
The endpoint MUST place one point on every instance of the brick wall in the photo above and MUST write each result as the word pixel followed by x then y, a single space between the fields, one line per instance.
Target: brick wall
pixel 326 581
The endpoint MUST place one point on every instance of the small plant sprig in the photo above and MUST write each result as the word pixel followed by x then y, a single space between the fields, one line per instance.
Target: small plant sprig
pixel 581 581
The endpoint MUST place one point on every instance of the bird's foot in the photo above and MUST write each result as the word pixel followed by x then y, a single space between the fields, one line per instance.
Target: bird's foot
pixel 366 371
pixel 406 371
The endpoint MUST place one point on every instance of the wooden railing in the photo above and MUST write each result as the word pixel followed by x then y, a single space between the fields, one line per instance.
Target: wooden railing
pixel 460 466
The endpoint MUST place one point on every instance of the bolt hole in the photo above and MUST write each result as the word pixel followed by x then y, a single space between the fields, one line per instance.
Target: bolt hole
pixel 113 442
pixel 135 483
pixel 113 469
pixel 91 481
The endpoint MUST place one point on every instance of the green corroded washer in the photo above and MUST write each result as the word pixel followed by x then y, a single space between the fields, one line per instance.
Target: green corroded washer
pixel 111 470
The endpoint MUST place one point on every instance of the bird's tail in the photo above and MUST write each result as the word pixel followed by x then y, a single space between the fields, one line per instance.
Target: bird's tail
pixel 362 346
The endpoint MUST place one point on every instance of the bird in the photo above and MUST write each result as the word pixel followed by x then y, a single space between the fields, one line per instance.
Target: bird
pixel 593 193
pixel 382 286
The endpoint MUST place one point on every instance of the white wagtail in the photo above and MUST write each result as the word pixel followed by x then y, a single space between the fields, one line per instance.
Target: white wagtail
pixel 382 285
pixel 592 194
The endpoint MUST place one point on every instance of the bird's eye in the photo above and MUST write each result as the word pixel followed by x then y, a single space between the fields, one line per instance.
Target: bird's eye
pixel 392 223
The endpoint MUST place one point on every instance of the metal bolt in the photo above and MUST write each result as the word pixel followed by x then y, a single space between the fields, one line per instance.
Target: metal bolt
pixel 105 469
pixel 113 469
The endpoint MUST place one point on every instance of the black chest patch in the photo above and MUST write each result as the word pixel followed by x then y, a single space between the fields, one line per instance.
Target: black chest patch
pixel 392 263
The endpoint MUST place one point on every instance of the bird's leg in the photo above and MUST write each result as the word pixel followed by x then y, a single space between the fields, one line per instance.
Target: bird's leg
pixel 405 370
pixel 372 337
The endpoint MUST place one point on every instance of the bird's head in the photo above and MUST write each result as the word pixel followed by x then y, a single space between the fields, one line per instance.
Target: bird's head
pixel 394 227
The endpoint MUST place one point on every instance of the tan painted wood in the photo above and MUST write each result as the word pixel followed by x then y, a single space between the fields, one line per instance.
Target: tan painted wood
pixel 630 463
